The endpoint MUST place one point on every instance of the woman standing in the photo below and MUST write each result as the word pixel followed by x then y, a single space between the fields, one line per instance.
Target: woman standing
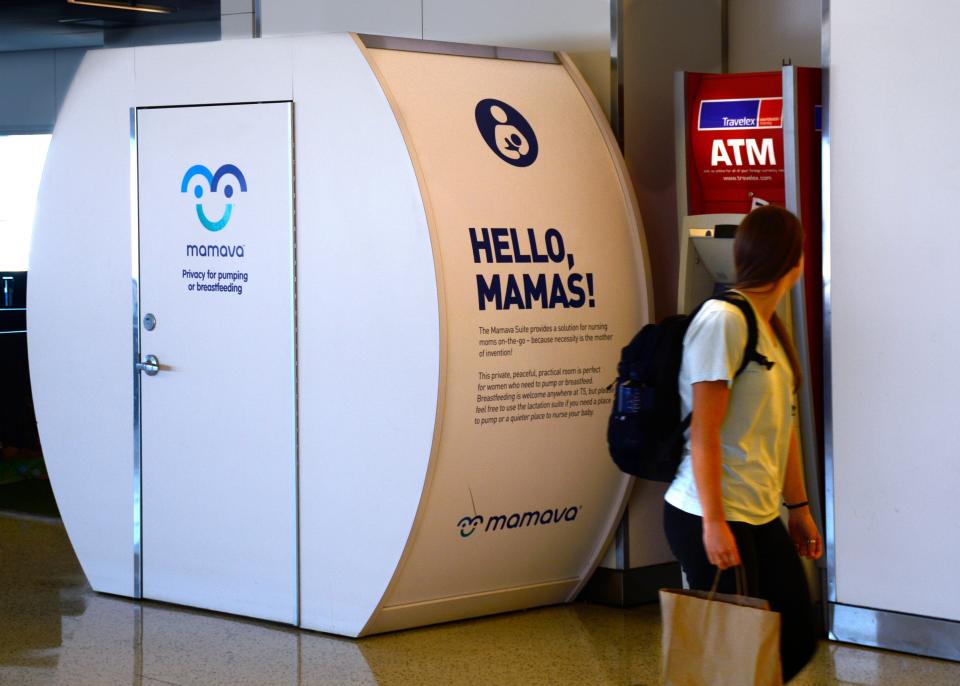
pixel 742 457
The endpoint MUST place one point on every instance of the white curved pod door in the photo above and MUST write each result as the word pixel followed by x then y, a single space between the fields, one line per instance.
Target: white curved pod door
pixel 218 445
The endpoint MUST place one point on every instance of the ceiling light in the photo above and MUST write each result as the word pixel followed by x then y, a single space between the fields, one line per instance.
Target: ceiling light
pixel 119 5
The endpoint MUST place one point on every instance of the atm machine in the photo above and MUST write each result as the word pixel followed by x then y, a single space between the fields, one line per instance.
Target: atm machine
pixel 749 140
pixel 743 140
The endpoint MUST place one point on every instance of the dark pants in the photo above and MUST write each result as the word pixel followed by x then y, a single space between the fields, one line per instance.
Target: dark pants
pixel 774 573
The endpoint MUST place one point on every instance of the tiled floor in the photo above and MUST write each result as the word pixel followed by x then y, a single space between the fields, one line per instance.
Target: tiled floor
pixel 55 630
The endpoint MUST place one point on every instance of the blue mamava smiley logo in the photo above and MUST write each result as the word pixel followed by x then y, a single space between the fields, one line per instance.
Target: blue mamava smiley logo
pixel 213 185
pixel 518 520
pixel 469 524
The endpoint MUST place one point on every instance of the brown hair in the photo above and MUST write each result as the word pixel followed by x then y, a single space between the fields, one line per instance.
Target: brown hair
pixel 767 245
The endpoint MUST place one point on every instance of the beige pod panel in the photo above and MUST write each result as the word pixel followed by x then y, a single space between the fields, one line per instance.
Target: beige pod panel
pixel 542 277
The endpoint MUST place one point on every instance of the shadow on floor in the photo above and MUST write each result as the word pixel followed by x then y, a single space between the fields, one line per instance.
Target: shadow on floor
pixel 31 496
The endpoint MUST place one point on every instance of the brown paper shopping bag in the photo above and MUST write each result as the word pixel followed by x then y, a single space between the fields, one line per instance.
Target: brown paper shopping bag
pixel 716 639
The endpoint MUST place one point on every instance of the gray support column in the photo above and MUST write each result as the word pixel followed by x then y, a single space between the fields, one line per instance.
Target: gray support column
pixel 239 19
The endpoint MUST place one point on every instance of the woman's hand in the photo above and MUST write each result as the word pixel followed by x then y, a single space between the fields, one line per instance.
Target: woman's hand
pixel 804 533
pixel 720 544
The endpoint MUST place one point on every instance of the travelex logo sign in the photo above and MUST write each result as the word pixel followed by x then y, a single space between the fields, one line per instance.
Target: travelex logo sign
pixel 471 524
pixel 506 132
pixel 214 179
pixel 748 113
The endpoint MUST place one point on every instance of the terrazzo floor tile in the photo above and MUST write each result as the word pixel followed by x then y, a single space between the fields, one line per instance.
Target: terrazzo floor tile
pixel 55 631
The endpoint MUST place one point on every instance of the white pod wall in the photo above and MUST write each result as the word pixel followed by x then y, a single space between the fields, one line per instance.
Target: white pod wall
pixel 385 290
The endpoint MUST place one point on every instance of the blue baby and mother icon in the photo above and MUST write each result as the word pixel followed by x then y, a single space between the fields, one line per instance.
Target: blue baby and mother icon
pixel 507 132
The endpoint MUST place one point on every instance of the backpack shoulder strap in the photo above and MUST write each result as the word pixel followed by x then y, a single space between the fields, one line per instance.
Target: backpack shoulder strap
pixel 750 353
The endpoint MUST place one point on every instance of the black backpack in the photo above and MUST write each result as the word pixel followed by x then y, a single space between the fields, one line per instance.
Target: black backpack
pixel 645 430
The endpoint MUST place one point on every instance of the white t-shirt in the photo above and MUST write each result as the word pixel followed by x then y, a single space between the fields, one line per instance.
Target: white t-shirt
pixel 755 435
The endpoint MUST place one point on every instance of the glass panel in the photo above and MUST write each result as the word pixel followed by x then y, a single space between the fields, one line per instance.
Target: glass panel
pixel 21 163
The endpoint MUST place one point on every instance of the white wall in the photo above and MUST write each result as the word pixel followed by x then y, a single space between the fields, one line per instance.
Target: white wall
pixel 579 27
pixel 402 18
pixel 33 84
pixel 237 19
pixel 894 185
pixel 762 33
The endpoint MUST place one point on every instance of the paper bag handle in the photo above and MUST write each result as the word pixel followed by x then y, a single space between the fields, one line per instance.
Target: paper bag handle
pixel 741 574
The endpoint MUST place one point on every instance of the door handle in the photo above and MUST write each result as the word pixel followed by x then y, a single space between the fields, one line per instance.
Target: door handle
pixel 150 365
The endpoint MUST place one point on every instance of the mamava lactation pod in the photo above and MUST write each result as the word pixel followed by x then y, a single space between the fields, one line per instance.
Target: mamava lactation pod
pixel 355 378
